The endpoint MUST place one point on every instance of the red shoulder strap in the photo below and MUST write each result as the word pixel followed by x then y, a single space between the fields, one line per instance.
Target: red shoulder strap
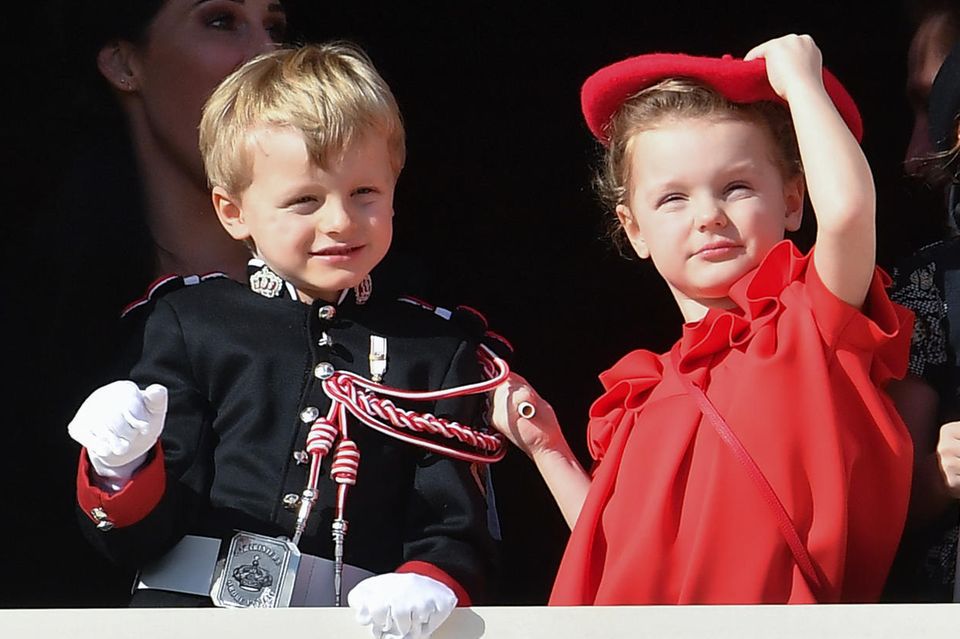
pixel 787 529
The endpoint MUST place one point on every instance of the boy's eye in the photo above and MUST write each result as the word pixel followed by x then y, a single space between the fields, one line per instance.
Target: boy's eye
pixel 304 202
pixel 365 190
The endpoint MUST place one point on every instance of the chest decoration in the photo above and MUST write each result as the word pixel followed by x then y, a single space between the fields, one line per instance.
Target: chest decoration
pixel 378 357
pixel 368 402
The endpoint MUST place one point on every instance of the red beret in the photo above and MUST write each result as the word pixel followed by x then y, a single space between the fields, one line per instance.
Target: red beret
pixel 736 79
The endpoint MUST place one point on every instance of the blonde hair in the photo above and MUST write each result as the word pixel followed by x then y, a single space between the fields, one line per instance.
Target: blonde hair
pixel 675 98
pixel 331 93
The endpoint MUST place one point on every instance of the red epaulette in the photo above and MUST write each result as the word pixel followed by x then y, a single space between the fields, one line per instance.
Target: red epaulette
pixel 167 284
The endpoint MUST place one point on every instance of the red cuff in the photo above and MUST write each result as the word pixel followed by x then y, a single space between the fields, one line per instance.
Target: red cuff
pixel 429 570
pixel 128 505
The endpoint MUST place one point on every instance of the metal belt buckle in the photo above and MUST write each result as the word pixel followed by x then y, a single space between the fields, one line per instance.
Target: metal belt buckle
pixel 255 571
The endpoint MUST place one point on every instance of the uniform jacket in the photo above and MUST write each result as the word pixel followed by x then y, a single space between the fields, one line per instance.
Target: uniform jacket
pixel 241 368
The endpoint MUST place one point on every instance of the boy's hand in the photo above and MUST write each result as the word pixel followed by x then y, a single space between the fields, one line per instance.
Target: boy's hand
pixel 792 61
pixel 118 424
pixel 401 605
pixel 948 453
pixel 535 434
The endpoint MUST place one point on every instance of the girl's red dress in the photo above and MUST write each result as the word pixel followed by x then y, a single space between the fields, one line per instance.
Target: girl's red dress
pixel 673 518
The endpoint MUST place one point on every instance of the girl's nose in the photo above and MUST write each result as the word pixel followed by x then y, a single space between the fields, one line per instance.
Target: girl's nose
pixel 710 215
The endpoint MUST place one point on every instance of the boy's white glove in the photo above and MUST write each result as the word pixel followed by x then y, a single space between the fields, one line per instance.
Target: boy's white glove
pixel 401 605
pixel 118 424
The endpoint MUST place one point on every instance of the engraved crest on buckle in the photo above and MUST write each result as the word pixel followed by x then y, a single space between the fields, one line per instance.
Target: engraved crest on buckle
pixel 266 282
pixel 255 572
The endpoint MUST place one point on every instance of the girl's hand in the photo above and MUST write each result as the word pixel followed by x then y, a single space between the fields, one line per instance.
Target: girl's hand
pixel 948 452
pixel 534 435
pixel 792 61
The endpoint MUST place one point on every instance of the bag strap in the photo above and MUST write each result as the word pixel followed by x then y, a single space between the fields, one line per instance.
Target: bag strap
pixel 784 523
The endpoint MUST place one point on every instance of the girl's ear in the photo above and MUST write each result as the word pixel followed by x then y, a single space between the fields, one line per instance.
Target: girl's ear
pixel 230 213
pixel 794 191
pixel 630 227
pixel 118 64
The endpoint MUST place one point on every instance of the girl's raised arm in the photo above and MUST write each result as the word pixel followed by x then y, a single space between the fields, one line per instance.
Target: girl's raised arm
pixel 837 174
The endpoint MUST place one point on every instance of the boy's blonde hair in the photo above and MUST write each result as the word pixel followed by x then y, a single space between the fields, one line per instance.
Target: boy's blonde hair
pixel 681 98
pixel 331 93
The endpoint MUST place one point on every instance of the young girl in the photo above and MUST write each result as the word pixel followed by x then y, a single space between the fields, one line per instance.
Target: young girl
pixel 787 481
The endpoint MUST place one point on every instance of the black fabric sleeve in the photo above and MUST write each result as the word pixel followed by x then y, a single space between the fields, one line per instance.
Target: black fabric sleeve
pixel 187 442
pixel 446 522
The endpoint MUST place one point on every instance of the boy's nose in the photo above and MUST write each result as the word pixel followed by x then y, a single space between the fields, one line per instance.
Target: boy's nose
pixel 334 218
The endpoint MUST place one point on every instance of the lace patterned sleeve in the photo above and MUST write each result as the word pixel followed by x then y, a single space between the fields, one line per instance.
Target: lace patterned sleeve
pixel 918 291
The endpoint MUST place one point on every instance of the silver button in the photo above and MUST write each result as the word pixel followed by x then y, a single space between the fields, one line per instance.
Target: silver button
pixel 327 312
pixel 325 340
pixel 103 520
pixel 301 457
pixel 324 370
pixel 309 414
pixel 291 501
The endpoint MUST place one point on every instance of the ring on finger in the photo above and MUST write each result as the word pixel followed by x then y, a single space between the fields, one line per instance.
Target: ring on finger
pixel 526 410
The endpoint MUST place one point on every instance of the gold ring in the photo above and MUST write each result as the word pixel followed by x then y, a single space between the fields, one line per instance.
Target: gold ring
pixel 526 410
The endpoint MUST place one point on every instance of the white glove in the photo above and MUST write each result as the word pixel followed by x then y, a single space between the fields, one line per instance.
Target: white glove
pixel 118 424
pixel 401 605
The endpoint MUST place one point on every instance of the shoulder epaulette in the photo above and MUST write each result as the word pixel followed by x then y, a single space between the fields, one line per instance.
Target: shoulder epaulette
pixel 167 284
pixel 472 320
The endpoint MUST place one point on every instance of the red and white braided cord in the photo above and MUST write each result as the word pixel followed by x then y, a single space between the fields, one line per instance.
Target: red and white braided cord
pixel 344 390
pixel 384 416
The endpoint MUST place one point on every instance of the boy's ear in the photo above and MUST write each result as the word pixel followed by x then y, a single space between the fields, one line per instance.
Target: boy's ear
pixel 118 64
pixel 630 227
pixel 794 191
pixel 230 213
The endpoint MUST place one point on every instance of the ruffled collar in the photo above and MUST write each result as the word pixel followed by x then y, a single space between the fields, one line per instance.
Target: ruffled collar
pixel 757 299
pixel 264 281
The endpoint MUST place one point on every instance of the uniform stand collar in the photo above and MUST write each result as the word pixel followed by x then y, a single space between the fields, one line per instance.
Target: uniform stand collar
pixel 264 281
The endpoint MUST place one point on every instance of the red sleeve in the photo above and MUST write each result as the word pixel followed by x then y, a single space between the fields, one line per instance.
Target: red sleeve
pixel 880 327
pixel 429 570
pixel 128 505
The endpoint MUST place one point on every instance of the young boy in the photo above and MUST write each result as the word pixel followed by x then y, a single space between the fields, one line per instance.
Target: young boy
pixel 303 149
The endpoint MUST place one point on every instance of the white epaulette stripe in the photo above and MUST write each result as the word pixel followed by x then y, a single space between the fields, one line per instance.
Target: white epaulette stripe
pixel 157 285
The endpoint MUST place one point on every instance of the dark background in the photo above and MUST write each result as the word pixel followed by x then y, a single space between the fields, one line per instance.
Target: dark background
pixel 495 201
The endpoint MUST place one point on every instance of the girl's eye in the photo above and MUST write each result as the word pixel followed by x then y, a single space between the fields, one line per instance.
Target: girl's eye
pixel 670 198
pixel 737 186
pixel 365 190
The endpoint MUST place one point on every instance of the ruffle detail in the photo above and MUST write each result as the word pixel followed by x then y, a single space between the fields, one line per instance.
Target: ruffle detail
pixel 627 385
pixel 881 330
pixel 757 296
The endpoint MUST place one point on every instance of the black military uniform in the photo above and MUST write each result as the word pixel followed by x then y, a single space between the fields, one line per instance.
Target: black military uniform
pixel 243 371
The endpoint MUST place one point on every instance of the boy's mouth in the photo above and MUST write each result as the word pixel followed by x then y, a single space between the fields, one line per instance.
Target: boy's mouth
pixel 339 250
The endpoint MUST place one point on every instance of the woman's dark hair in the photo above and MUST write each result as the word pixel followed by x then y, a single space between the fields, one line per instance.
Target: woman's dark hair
pixel 85 27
